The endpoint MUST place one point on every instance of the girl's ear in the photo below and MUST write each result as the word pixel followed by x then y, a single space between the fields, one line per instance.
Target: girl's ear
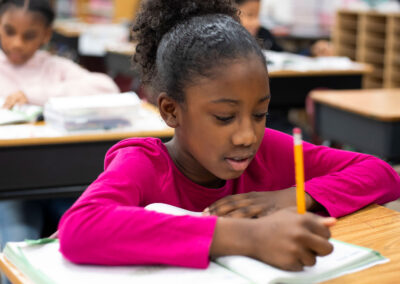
pixel 169 110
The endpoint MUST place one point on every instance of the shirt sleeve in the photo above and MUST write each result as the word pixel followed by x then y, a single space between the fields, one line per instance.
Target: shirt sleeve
pixel 107 226
pixel 71 80
pixel 341 181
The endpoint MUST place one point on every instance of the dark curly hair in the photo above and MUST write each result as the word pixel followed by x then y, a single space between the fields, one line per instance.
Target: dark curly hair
pixel 240 2
pixel 42 7
pixel 182 40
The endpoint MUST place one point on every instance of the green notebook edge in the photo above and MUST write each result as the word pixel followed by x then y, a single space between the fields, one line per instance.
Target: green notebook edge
pixel 16 256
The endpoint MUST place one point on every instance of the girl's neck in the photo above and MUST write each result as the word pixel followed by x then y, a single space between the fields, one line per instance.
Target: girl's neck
pixel 190 168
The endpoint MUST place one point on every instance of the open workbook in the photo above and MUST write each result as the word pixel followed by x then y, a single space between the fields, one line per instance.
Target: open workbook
pixel 19 113
pixel 42 263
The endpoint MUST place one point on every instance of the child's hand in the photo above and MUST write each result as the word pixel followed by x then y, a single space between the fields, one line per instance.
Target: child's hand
pixel 290 240
pixel 322 48
pixel 17 98
pixel 255 204
pixel 284 239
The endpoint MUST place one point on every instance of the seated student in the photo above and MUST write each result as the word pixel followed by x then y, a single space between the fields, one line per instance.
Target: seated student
pixel 249 17
pixel 213 87
pixel 28 75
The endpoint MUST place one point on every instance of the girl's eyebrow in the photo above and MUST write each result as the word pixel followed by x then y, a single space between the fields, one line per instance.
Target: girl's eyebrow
pixel 263 99
pixel 231 101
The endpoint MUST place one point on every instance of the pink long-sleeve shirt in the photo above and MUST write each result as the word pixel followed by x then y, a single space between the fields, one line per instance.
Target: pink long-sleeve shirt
pixel 108 225
pixel 45 75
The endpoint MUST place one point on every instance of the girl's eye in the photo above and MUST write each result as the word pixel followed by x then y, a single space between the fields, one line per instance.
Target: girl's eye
pixel 29 36
pixel 9 32
pixel 260 116
pixel 224 118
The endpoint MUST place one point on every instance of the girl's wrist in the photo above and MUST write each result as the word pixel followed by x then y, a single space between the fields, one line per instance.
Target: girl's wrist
pixel 232 237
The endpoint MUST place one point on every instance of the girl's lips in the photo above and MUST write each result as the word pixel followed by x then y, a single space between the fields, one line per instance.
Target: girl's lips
pixel 238 165
pixel 16 57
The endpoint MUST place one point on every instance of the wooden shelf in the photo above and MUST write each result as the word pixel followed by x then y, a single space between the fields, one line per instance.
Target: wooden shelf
pixel 374 38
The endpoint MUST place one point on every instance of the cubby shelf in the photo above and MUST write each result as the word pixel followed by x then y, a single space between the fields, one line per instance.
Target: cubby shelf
pixel 374 38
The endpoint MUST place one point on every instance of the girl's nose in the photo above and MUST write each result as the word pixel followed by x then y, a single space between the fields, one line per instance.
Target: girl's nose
pixel 245 135
pixel 17 43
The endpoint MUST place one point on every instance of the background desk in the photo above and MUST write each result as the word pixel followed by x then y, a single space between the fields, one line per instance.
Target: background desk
pixel 375 227
pixel 58 166
pixel 289 88
pixel 369 120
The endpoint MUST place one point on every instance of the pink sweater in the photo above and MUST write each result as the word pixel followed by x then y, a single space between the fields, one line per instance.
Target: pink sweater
pixel 46 75
pixel 108 225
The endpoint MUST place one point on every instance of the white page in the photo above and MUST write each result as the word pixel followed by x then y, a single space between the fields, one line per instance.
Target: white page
pixel 19 113
pixel 342 256
pixel 8 117
pixel 50 261
pixel 170 209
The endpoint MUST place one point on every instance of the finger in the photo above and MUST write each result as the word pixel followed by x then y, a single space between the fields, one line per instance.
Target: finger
pixel 206 212
pixel 329 222
pixel 294 266
pixel 316 225
pixel 228 199
pixel 307 257
pixel 246 212
pixel 20 101
pixel 9 103
pixel 318 245
pixel 227 207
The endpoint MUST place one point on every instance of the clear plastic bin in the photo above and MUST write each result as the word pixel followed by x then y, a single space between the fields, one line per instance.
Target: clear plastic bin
pixel 100 112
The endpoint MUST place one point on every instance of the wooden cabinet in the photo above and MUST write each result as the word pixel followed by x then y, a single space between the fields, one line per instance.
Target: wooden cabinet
pixel 373 38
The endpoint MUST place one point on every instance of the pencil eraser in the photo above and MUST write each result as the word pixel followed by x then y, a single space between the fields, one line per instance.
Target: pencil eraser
pixel 296 130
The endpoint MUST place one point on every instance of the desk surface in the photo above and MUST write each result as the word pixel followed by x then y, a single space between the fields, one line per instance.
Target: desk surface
pixel 39 161
pixel 128 48
pixel 378 228
pixel 86 137
pixel 379 104
pixel 375 227
pixel 359 70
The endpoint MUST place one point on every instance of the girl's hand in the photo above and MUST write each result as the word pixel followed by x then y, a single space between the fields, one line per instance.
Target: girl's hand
pixel 322 48
pixel 17 98
pixel 290 240
pixel 284 239
pixel 257 204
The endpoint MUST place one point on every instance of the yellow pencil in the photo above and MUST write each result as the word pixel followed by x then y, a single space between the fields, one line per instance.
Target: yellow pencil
pixel 299 169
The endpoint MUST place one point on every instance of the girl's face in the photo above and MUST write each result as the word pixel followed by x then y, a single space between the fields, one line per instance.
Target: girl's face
pixel 222 122
pixel 21 34
pixel 249 16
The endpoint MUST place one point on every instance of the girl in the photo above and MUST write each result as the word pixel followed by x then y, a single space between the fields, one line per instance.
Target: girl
pixel 212 82
pixel 28 75
pixel 250 19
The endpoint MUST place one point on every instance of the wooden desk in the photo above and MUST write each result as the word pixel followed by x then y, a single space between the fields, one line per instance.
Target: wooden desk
pixel 378 228
pixel 58 166
pixel 369 120
pixel 375 227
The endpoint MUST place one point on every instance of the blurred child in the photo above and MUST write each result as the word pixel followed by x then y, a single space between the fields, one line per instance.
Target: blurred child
pixel 29 75
pixel 213 87
pixel 250 19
